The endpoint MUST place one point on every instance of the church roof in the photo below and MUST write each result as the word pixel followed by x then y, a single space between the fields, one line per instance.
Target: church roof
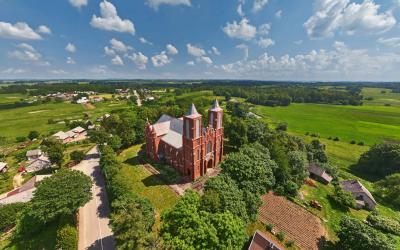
pixel 192 113
pixel 215 106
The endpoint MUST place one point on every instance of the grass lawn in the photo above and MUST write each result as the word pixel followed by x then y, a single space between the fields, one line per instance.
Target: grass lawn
pixel 369 124
pixel 145 184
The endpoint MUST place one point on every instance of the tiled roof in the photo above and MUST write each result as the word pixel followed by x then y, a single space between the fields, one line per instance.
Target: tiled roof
pixel 171 129
pixel 261 242
pixel 354 187
pixel 173 138
pixel 61 135
pixel 317 170
pixel 34 152
pixel 78 130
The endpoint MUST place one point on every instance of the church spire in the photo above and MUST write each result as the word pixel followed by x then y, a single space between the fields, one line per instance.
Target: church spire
pixel 215 106
pixel 192 111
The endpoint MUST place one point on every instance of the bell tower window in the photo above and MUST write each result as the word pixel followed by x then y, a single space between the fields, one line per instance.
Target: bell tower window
pixel 197 128
pixel 187 129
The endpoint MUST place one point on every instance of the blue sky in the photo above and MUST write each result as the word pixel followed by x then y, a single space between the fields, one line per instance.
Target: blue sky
pixel 235 39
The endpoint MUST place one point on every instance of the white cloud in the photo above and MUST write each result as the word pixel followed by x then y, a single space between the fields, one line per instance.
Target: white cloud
pixel 70 60
pixel 108 51
pixel 14 71
pixel 215 51
pixel 27 53
pixel 20 31
pixel 110 21
pixel 278 14
pixel 332 15
pixel 240 11
pixel 205 59
pixel 171 49
pixel 58 72
pixel 160 60
pixel 195 51
pixel 139 59
pixel 245 49
pixel 391 42
pixel 156 3
pixel 242 30
pixel 259 5
pixel 117 60
pixel 336 63
pixel 190 63
pixel 70 48
pixel 119 46
pixel 44 29
pixel 265 42
pixel 78 3
pixel 145 41
pixel 264 29
pixel 99 70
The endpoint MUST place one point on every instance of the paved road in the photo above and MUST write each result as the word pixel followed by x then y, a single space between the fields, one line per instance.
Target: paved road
pixel 94 231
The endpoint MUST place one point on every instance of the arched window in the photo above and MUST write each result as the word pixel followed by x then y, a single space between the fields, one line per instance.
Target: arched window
pixel 209 147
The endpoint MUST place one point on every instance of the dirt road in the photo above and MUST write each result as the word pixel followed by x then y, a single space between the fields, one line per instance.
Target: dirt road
pixel 139 102
pixel 94 231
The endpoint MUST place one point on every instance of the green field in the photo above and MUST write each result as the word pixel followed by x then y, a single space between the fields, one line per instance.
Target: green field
pixel 381 96
pixel 369 124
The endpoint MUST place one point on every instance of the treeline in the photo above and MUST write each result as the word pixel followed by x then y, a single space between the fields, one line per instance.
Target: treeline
pixel 283 96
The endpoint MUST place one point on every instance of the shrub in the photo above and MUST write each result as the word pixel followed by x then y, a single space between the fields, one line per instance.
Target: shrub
pixel 8 215
pixel 353 142
pixel 343 197
pixel 20 138
pixel 336 139
pixel 307 133
pixel 289 243
pixel 280 235
pixel 361 143
pixel 282 126
pixel 330 138
pixel 77 156
pixel 67 237
pixel 269 227
pixel 384 224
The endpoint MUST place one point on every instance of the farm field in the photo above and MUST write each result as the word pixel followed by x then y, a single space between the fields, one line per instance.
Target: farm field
pixel 368 124
pixel 19 121
pixel 381 96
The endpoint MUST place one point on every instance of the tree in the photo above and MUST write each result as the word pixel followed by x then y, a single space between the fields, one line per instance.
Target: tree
pixel 343 198
pixel 186 226
pixel 131 221
pixel 61 195
pixel 380 160
pixel 389 189
pixel 355 235
pixel 256 130
pixel 236 132
pixel 33 135
pixel 298 167
pixel 77 156
pixel 211 202
pixel 55 150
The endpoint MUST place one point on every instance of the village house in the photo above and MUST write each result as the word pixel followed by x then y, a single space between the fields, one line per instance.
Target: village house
pixel 75 134
pixel 62 136
pixel 363 197
pixel 319 174
pixel 185 144
pixel 82 100
pixel 3 167
pixel 96 99
pixel 260 241
pixel 40 163
pixel 33 154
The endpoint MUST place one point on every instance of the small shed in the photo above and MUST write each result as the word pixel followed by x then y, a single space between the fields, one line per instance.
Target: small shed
pixel 319 174
pixel 260 241
pixel 362 195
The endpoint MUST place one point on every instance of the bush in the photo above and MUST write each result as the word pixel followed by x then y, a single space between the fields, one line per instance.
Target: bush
pixel 330 138
pixel 67 237
pixel 343 197
pixel 33 135
pixel 77 156
pixel 384 224
pixel 269 227
pixel 20 138
pixel 8 215
pixel 282 126
pixel 280 235
pixel 289 243
pixel 361 143
pixel 353 142
pixel 336 139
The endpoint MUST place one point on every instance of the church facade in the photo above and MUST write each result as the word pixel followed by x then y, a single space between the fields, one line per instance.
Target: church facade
pixel 185 144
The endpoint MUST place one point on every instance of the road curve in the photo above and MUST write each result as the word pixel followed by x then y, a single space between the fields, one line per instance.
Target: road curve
pixel 94 229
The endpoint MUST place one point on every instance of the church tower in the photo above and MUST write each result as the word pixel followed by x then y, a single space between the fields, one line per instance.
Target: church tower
pixel 192 128
pixel 215 116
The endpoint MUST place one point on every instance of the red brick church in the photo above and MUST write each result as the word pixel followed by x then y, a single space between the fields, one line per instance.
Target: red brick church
pixel 185 144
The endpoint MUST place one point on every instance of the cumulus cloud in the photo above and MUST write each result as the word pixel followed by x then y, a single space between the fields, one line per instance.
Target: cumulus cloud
pixel 27 53
pixel 117 60
pixel 14 71
pixel 78 3
pixel 108 51
pixel 171 49
pixel 156 3
pixel 160 60
pixel 145 41
pixel 99 70
pixel 43 29
pixel 70 60
pixel 119 46
pixel 391 42
pixel 240 11
pixel 70 48
pixel 190 63
pixel 139 59
pixel 265 42
pixel 242 30
pixel 57 72
pixel 259 5
pixel 278 14
pixel 195 51
pixel 215 51
pixel 19 31
pixel 332 15
pixel 337 62
pixel 205 59
pixel 110 21
pixel 264 29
